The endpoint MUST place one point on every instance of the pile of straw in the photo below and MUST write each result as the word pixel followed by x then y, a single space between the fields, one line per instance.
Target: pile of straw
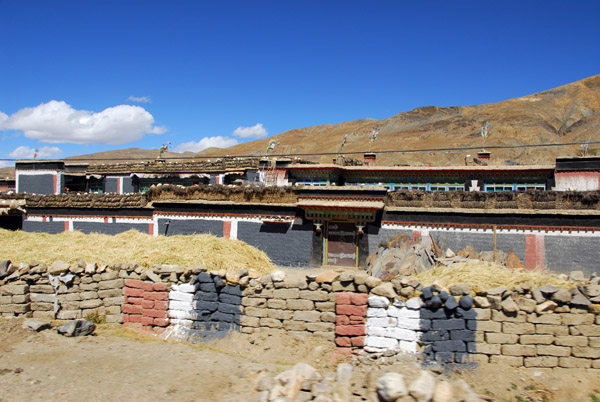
pixel 214 253
pixel 485 277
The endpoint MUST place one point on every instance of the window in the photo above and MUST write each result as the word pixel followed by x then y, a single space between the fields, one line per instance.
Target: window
pixel 96 186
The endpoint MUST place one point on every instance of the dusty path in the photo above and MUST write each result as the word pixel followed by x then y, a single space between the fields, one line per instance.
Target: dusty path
pixel 119 365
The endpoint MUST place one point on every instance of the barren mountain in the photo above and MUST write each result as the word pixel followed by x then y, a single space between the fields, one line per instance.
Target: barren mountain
pixel 569 113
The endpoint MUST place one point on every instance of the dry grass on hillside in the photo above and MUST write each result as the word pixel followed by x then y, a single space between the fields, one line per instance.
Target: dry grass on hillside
pixel 485 277
pixel 132 246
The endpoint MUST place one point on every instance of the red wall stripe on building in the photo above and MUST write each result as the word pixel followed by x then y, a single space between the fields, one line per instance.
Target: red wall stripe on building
pixel 66 226
pixel 55 181
pixel 415 235
pixel 535 251
pixel 227 229
pixel 151 228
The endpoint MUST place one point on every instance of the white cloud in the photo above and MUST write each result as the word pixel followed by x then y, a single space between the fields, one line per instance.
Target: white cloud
pixel 57 122
pixel 27 152
pixel 207 142
pixel 139 99
pixel 257 131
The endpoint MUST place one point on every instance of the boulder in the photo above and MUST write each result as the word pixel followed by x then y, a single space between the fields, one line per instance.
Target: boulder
pixel 562 296
pixel 77 328
pixel 391 386
pixel 4 265
pixel 385 289
pixel 512 261
pixel 36 325
pixel 423 387
pixel 58 267
pixel 327 277
pixel 277 276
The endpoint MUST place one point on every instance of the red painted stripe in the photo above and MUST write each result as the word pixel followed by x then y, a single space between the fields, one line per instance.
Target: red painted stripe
pixel 535 251
pixel 415 235
pixel 151 228
pixel 66 226
pixel 55 181
pixel 227 229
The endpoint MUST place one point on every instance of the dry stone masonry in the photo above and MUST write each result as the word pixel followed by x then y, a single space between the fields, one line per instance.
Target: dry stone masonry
pixel 522 326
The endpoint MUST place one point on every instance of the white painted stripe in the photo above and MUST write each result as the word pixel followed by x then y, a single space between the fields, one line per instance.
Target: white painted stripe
pixel 430 229
pixel 234 229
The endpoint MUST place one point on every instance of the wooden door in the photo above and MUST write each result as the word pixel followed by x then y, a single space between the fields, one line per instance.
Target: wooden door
pixel 341 244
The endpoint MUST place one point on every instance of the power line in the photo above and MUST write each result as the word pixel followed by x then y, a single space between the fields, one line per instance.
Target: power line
pixel 461 149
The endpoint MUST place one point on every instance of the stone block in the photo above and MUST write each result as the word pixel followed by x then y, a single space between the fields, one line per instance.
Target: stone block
pixel 449 346
pixel 132 309
pixel 69 314
pixel 276 303
pixel 112 284
pixel 91 303
pixel 43 297
pixel 519 350
pixel 70 297
pixel 16 308
pixel 133 292
pixel 553 350
pixel 541 361
pixel 109 275
pixel 536 339
pixel 585 351
pixel 518 328
pixel 359 299
pixel 206 296
pixel 451 323
pixel 114 318
pixel 320 326
pixel 402 313
pixel 180 305
pixel 156 295
pixel 382 322
pixel 7 299
pixel 351 310
pixel 280 314
pixel 286 294
pixel 349 330
pixel 402 334
pixel 40 289
pixel 489 349
pixel 381 342
pixel 110 293
pixel 325 306
pixel 309 316
pixel 543 329
pixel 574 362
pixel 299 304
pixel 230 299
pixel 229 308
pixel 489 326
pixel 153 313
pixel 328 317
pixel 594 342
pixel 43 314
pixel 329 335
pixel 317 295
pixel 483 313
pixel 114 301
pixel 39 306
pixel 577 319
pixel 114 310
pixel 256 312
pixel 71 305
pixel 343 341
pixel 498 315
pixel 294 325
pixel 90 295
pixel 553 319
pixel 249 321
pixel 493 337
pixel 572 340
pixel 586 330
pixel 254 302
pixel 338 286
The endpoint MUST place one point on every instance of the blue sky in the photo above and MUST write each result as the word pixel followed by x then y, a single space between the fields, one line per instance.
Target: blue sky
pixel 79 77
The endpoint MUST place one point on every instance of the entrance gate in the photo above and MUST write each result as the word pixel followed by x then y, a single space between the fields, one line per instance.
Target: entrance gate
pixel 341 247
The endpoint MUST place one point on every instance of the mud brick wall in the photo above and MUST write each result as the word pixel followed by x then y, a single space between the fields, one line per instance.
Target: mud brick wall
pixel 146 306
pixel 350 320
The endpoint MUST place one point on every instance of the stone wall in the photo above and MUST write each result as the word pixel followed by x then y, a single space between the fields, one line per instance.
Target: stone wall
pixel 542 327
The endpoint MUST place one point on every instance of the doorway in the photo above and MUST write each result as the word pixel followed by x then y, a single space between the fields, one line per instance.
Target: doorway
pixel 340 244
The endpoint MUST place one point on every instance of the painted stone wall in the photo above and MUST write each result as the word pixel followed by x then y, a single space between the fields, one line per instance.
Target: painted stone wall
pixel 542 327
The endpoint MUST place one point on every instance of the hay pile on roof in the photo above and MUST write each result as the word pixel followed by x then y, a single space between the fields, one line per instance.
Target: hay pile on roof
pixel 480 276
pixel 85 200
pixel 214 253
pixel 246 194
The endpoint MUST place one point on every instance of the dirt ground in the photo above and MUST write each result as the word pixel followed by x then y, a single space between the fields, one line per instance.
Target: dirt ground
pixel 118 364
